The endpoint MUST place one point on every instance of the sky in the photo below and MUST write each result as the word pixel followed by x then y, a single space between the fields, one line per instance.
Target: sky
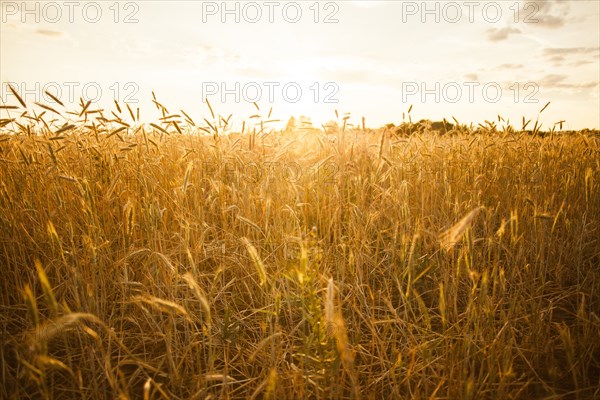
pixel 471 60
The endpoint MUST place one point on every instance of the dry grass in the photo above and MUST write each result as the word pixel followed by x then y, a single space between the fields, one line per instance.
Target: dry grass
pixel 138 262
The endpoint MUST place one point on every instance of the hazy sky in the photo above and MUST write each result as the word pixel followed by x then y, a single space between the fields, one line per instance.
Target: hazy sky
pixel 469 59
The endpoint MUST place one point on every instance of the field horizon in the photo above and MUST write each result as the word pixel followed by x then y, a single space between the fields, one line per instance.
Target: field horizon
pixel 170 260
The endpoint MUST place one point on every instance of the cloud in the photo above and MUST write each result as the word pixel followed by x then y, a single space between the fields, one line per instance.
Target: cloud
pixel 580 63
pixel 551 83
pixel 558 55
pixel 553 80
pixel 551 51
pixel 550 14
pixel 496 35
pixel 472 77
pixel 49 33
pixel 510 66
pixel 559 81
pixel 557 60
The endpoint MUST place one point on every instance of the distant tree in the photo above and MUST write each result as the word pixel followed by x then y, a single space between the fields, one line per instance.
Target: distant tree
pixel 442 126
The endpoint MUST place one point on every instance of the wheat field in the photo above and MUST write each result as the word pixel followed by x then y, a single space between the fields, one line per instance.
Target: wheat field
pixel 173 261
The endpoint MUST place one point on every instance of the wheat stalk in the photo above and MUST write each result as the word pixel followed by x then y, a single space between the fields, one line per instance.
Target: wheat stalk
pixel 450 237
